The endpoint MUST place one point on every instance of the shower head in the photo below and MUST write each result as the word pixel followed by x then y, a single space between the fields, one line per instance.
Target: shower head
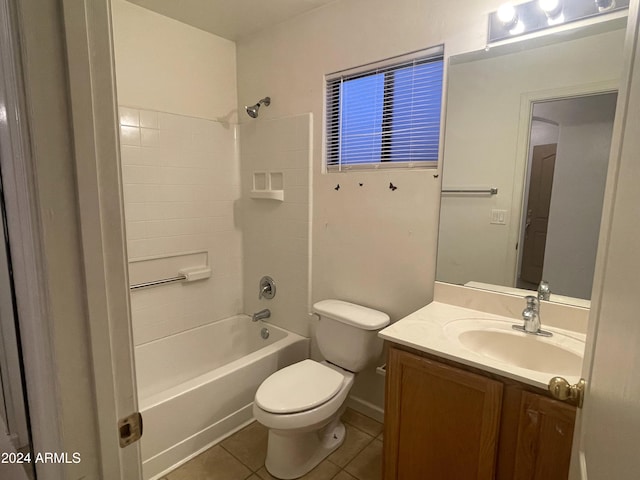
pixel 252 111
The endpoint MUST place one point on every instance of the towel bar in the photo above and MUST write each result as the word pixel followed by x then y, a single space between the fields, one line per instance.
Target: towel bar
pixel 153 283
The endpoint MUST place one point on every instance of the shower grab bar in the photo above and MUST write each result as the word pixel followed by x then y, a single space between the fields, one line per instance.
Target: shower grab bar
pixel 489 191
pixel 154 283
pixel 190 274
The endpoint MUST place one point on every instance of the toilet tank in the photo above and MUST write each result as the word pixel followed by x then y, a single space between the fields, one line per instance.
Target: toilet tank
pixel 347 334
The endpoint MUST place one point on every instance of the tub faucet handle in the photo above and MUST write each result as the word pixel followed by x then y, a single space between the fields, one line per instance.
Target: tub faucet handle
pixel 267 288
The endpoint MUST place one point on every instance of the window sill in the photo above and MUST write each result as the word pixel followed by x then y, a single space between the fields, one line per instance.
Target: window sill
pixel 382 166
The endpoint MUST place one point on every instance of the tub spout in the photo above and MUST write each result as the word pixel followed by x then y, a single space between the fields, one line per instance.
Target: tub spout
pixel 261 315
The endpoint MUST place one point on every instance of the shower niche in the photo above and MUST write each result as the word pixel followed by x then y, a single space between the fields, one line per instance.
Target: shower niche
pixel 268 186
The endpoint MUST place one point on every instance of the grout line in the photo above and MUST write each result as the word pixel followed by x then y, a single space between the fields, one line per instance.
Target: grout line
pixel 364 431
pixel 231 453
pixel 241 462
pixel 341 469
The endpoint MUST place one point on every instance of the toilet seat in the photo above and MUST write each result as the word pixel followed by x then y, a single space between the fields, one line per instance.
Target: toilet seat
pixel 298 387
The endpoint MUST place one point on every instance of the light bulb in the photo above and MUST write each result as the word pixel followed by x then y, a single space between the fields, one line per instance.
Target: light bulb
pixel 604 5
pixel 518 28
pixel 507 14
pixel 551 21
pixel 552 8
pixel 549 5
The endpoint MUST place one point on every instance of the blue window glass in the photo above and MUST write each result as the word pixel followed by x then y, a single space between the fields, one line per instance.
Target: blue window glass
pixel 386 115
pixel 361 126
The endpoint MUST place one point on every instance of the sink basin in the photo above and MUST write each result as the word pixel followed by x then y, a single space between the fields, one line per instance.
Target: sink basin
pixel 557 355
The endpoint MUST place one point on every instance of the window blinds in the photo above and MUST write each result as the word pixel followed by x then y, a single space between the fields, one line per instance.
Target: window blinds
pixel 387 113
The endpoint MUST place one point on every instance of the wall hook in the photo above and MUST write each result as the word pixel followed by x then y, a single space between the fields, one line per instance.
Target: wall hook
pixel 361 184
pixel 337 187
pixel 392 187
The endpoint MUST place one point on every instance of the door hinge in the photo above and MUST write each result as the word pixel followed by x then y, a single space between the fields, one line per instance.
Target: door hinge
pixel 130 429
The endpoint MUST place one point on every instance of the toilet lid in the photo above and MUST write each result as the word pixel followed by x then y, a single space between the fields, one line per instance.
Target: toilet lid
pixel 298 387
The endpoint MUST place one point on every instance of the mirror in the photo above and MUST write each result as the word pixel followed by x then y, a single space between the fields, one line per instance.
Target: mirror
pixel 527 138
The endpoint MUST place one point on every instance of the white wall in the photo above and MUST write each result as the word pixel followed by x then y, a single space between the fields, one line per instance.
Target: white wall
pixel 371 245
pixel 165 65
pixel 542 133
pixel 181 173
pixel 276 234
pixel 481 147
pixel 576 207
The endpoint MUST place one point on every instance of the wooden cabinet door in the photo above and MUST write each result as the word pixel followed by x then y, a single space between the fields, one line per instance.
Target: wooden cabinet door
pixel 545 433
pixel 440 422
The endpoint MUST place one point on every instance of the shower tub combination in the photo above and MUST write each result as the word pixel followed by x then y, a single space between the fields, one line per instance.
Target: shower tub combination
pixel 197 387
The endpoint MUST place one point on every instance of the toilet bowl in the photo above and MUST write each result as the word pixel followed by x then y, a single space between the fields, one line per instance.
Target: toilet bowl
pixel 301 404
pixel 304 418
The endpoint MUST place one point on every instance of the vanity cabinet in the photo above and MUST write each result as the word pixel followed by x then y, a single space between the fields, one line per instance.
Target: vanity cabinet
pixel 545 433
pixel 446 421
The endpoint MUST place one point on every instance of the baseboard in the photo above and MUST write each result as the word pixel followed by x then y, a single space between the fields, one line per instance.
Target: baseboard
pixel 157 467
pixel 366 408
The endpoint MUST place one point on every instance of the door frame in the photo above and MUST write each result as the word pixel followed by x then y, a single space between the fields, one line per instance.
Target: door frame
pixel 12 393
pixel 26 251
pixel 629 73
pixel 62 184
pixel 94 116
pixel 518 200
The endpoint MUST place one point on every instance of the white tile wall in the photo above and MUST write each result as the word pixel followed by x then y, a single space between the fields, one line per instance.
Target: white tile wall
pixel 181 187
pixel 277 234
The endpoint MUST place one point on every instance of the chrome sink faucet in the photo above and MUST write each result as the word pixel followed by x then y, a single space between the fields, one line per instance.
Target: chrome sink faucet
pixel 544 291
pixel 531 317
pixel 261 315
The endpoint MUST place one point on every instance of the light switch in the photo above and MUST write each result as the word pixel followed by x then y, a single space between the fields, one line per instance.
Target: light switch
pixel 498 217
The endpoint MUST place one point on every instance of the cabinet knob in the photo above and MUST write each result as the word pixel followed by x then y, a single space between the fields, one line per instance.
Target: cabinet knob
pixel 563 390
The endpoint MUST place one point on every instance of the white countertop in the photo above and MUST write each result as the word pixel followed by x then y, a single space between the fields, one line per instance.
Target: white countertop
pixel 431 329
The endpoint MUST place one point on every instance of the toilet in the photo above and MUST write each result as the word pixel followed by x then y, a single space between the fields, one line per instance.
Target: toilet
pixel 301 404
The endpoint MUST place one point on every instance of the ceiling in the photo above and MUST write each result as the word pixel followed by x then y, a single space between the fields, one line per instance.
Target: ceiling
pixel 576 111
pixel 231 19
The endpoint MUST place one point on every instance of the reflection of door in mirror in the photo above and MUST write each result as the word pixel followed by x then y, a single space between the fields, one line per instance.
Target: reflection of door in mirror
pixel 543 162
pixel 564 191
pixel 500 104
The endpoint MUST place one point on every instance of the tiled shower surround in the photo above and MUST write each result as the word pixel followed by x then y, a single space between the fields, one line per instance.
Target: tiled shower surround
pixel 187 189
pixel 181 185
pixel 276 233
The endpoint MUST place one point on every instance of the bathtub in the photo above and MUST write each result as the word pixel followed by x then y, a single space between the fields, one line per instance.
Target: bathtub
pixel 197 387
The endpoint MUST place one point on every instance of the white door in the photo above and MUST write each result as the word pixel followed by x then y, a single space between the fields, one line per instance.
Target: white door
pixel 91 75
pixel 607 439
pixel 65 222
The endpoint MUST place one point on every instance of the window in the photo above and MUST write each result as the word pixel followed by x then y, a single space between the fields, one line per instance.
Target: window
pixel 385 114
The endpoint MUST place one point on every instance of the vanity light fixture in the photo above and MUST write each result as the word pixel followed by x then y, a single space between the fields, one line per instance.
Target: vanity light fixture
pixel 518 29
pixel 556 20
pixel 551 8
pixel 507 15
pixel 605 5
pixel 511 20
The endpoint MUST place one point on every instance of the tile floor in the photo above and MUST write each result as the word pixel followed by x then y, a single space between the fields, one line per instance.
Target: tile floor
pixel 242 455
